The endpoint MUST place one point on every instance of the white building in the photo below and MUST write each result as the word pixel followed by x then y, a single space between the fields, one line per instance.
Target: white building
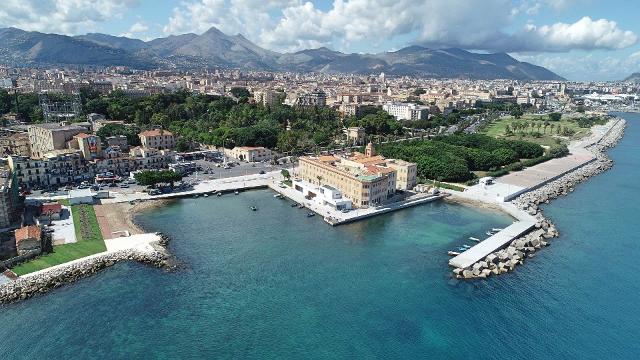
pixel 323 195
pixel 406 111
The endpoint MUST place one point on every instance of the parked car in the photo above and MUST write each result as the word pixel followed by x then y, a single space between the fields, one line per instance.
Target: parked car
pixel 262 172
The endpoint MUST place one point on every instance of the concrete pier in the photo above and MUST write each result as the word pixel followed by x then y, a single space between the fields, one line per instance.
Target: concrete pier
pixel 335 217
pixel 524 223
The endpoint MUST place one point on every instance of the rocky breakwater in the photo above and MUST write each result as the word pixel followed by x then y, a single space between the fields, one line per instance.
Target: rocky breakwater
pixel 523 247
pixel 45 280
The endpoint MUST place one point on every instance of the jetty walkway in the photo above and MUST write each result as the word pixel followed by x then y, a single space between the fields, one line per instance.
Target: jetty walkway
pixel 509 187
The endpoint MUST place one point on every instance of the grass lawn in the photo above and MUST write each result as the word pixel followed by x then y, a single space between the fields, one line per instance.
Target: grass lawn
pixel 549 137
pixel 89 238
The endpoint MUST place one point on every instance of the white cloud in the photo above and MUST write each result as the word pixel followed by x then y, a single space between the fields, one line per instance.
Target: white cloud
pixel 586 34
pixel 292 24
pixel 138 27
pixel 61 16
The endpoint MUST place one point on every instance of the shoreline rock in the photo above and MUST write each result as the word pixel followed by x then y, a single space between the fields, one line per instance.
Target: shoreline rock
pixel 525 246
pixel 27 286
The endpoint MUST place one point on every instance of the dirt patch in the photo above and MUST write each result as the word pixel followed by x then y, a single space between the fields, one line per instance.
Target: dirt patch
pixel 114 220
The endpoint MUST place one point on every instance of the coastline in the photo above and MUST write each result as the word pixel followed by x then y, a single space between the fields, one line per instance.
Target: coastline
pixel 151 252
pixel 131 211
pixel 506 259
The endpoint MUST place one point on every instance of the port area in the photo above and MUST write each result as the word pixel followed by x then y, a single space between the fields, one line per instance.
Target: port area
pixel 336 217
pixel 522 224
pixel 511 186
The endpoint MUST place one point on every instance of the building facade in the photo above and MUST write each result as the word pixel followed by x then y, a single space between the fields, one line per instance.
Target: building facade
pixel 365 179
pixel 406 111
pixel 158 139
pixel 250 154
pixel 47 137
pixel 11 203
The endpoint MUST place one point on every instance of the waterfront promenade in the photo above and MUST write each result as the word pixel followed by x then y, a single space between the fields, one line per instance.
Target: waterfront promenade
pixel 511 186
pixel 204 187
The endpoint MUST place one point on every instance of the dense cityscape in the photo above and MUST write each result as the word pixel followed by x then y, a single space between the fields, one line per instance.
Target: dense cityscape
pixel 325 183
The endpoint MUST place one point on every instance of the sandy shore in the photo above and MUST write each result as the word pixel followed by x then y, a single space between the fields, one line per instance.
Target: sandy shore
pixel 471 202
pixel 117 217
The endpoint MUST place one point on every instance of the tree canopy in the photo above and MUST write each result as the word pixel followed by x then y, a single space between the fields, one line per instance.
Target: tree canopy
pixel 452 158
pixel 152 177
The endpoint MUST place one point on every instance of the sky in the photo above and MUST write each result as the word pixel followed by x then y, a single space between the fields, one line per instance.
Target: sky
pixel 579 39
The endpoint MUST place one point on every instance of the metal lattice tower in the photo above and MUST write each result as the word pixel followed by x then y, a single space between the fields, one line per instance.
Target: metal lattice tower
pixel 60 110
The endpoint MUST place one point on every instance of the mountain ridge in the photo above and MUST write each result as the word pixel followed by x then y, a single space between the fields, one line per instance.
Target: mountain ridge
pixel 216 49
pixel 634 78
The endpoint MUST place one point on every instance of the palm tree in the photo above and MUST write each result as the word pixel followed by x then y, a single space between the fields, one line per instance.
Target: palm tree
pixel 546 124
pixel 552 126
pixel 539 126
pixel 507 129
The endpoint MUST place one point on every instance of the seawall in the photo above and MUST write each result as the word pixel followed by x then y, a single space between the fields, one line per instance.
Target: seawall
pixel 507 256
pixel 45 280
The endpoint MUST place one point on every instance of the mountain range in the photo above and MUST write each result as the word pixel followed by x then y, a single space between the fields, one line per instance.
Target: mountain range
pixel 633 78
pixel 217 49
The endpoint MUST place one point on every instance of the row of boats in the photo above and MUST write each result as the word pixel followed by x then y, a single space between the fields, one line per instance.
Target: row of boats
pixel 465 247
pixel 217 193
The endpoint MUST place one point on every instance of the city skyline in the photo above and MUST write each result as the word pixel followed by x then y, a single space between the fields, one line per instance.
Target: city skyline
pixel 580 40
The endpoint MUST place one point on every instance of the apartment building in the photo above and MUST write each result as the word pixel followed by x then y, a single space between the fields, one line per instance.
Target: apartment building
pixel 406 173
pixel 11 203
pixel 89 145
pixel 157 139
pixel 315 98
pixel 269 98
pixel 51 136
pixel 406 111
pixel 249 153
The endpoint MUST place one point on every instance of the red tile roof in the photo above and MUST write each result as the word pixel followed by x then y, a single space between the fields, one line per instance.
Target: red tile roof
pixel 50 208
pixel 156 132
pixel 28 232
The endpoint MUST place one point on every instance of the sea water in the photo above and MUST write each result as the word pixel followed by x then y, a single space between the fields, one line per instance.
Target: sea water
pixel 274 284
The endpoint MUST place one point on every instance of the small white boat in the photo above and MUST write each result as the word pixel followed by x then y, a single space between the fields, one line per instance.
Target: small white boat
pixel 236 192
pixel 489 233
pixel 496 230
pixel 206 195
pixel 453 253
pixel 474 239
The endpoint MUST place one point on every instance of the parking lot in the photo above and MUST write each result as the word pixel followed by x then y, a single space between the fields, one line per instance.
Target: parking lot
pixel 210 172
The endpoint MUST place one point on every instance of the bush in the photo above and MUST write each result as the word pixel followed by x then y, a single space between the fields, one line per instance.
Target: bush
pixel 498 173
pixel 557 151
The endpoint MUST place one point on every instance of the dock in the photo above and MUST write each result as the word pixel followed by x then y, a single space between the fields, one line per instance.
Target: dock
pixel 509 187
pixel 524 222
pixel 335 217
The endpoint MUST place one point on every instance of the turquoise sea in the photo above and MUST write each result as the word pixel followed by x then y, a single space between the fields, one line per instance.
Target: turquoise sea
pixel 274 284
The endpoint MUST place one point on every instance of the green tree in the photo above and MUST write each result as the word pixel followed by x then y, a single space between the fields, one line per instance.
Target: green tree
pixel 555 116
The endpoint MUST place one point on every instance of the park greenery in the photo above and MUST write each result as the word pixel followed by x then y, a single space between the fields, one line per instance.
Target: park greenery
pixel 131 132
pixel 455 157
pixel 154 177
pixel 89 242
pixel 547 130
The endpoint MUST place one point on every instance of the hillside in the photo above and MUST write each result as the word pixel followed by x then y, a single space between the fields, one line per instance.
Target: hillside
pixel 217 49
